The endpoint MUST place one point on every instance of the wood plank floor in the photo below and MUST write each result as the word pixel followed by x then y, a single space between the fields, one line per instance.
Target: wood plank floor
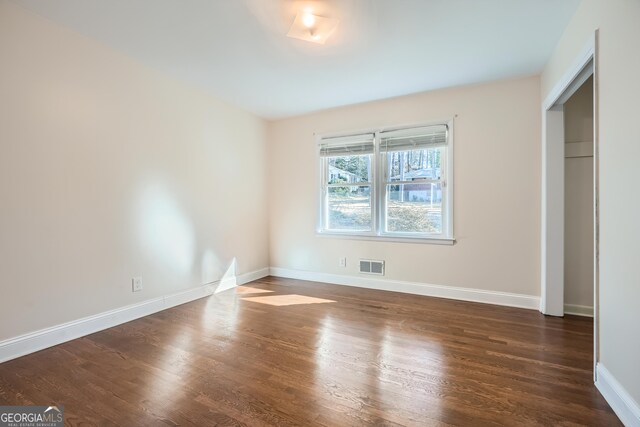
pixel 286 352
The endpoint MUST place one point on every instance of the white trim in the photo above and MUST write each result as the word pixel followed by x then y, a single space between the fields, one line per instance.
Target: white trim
pixel 573 72
pixel 578 81
pixel 625 407
pixel 251 276
pixel 225 283
pixel 596 208
pixel 450 164
pixel 578 310
pixel 451 292
pixel 48 337
pixel 552 285
pixel 552 183
pixel 387 238
pixel 35 341
pixel 552 224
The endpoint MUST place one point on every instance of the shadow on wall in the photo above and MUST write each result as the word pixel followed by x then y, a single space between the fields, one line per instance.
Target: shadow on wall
pixel 167 236
pixel 165 233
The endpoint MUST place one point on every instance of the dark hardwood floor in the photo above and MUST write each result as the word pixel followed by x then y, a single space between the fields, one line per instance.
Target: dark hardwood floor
pixel 336 356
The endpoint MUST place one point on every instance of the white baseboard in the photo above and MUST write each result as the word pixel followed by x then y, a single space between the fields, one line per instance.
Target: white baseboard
pixel 251 276
pixel 625 407
pixel 451 292
pixel 48 337
pixel 578 310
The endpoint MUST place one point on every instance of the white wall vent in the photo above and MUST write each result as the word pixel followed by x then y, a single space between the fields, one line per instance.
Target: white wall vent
pixel 369 266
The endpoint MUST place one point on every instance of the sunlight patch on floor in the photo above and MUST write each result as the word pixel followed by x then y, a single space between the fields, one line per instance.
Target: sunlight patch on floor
pixel 281 300
pixel 249 290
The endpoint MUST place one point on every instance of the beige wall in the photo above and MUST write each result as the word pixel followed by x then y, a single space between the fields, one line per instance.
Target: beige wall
pixel 578 206
pixel 496 201
pixel 619 91
pixel 109 170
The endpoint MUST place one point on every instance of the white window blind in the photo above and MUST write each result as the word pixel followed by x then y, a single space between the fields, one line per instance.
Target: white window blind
pixel 354 145
pixel 413 139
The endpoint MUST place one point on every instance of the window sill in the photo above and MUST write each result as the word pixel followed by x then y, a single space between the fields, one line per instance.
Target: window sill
pixel 393 239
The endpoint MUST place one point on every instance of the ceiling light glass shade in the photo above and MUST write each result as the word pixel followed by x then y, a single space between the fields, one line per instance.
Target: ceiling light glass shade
pixel 312 28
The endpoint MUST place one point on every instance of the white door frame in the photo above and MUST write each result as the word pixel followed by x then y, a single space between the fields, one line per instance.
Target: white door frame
pixel 552 223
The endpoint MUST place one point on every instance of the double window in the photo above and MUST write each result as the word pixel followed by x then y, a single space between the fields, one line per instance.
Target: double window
pixel 394 183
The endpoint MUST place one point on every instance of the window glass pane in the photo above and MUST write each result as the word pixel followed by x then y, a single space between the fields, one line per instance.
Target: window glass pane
pixel 415 165
pixel 349 208
pixel 414 208
pixel 349 169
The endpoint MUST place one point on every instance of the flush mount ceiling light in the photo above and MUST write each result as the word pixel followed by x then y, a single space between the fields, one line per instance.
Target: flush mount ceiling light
pixel 312 28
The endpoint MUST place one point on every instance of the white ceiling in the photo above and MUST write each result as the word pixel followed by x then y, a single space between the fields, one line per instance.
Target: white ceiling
pixel 237 49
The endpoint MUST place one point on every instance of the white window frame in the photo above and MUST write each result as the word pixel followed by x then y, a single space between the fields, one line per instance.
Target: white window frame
pixel 324 205
pixel 378 192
